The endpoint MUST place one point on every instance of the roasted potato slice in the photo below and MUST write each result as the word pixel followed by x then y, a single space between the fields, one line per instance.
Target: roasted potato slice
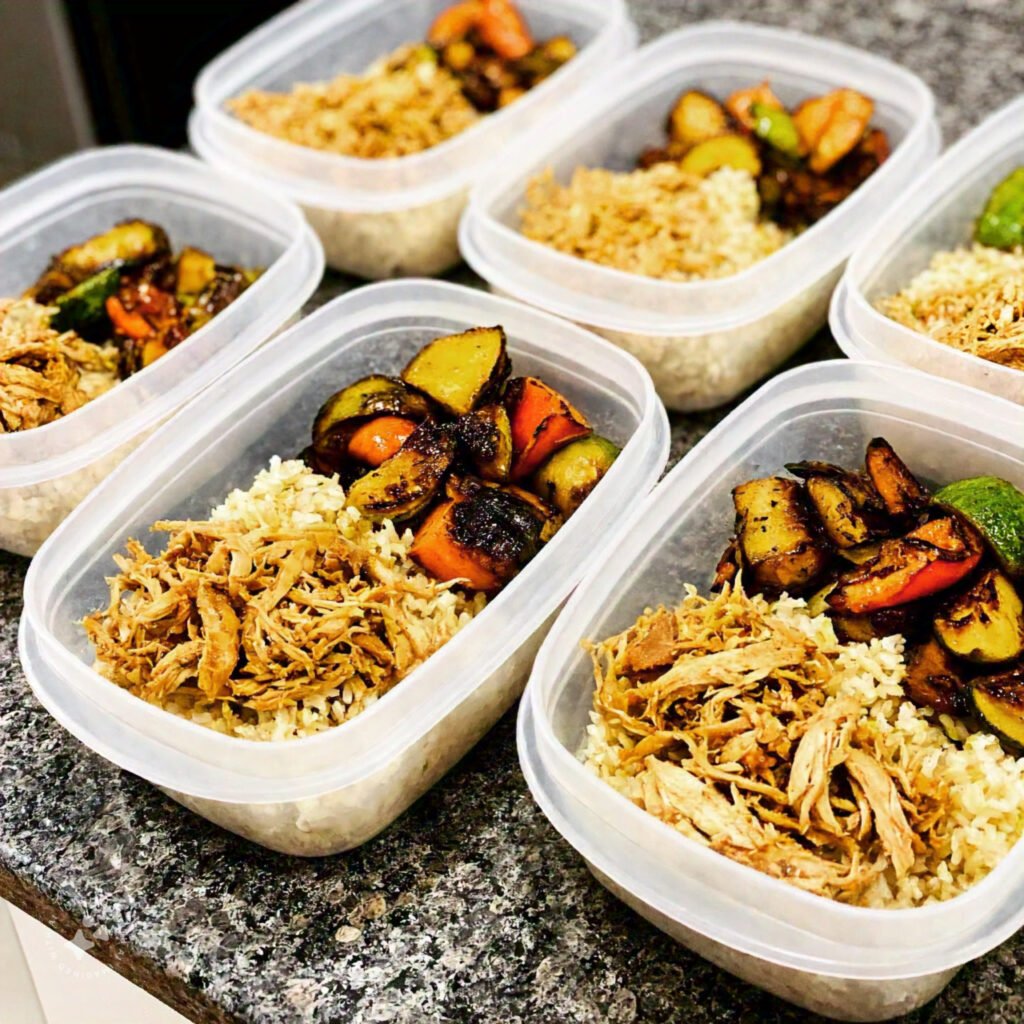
pixel 375 395
pixel 899 489
pixel 697 117
pixel 542 422
pixel 840 507
pixel 461 371
pixel 486 434
pixel 775 535
pixel 407 482
pixel 195 271
pixel 985 623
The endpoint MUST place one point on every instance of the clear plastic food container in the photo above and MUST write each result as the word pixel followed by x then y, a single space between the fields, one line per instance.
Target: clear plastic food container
pixel 846 962
pixel 45 472
pixel 706 341
pixel 329 792
pixel 939 214
pixel 391 217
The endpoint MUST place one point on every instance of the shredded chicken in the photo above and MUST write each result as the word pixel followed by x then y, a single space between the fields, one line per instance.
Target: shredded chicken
pixel 741 743
pixel 45 374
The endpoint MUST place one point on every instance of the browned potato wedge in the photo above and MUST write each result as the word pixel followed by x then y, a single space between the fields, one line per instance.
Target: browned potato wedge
pixel 408 481
pixel 697 117
pixel 840 507
pixel 461 371
pixel 775 536
pixel 375 395
pixel 898 487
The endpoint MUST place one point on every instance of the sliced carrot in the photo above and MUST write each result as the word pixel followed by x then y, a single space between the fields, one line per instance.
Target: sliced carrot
pixel 379 439
pixel 503 28
pixel 455 23
pixel 134 325
pixel 436 549
pixel 542 422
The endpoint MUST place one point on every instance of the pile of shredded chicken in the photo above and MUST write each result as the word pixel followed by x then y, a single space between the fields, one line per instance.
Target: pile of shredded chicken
pixel 737 740
pixel 45 374
pixel 260 619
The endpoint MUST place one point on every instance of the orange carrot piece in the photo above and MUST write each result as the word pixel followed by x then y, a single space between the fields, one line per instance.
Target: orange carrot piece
pixel 379 439
pixel 134 325
pixel 503 28
pixel 455 23
pixel 437 551
pixel 542 422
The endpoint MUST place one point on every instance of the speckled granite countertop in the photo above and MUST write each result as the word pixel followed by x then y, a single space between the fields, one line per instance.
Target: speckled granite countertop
pixel 469 908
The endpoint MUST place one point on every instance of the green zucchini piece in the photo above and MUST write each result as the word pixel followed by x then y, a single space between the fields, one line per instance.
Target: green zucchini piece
pixel 776 128
pixel 461 371
pixel 375 395
pixel 407 482
pixel 574 471
pixel 995 508
pixel 984 624
pixel 1001 223
pixel 486 434
pixel 84 307
pixel 999 702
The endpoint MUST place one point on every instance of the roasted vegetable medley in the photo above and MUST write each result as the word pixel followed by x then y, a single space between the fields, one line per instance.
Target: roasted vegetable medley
pixel 883 555
pixel 806 161
pixel 125 285
pixel 485 467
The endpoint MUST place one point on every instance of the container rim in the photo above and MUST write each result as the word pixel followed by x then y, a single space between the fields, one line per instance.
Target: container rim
pixel 744 41
pixel 211 128
pixel 647 449
pixel 855 316
pixel 551 660
pixel 291 278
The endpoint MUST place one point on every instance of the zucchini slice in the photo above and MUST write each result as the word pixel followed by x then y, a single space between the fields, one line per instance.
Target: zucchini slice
pixel 568 477
pixel 461 371
pixel 723 151
pixel 375 395
pixel 996 509
pixel 999 701
pixel 776 539
pixel 407 482
pixel 487 435
pixel 986 623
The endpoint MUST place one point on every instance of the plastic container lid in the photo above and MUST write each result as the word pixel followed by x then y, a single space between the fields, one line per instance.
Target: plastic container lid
pixel 623 112
pixel 74 198
pixel 264 407
pixel 319 39
pixel 824 411
pixel 939 215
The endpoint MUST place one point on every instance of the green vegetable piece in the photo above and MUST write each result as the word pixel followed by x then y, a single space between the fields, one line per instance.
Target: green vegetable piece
pixel 572 473
pixel 776 128
pixel 84 306
pixel 996 509
pixel 1001 224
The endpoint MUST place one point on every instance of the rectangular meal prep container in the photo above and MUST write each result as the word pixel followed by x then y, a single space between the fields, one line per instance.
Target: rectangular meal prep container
pixel 46 471
pixel 848 963
pixel 390 217
pixel 704 342
pixel 940 214
pixel 323 794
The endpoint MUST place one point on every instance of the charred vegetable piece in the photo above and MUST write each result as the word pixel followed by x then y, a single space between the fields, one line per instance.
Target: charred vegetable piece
pixel 908 620
pixel 83 308
pixel 999 700
pixel 996 510
pixel 926 561
pixel 461 371
pixel 1002 221
pixel 777 542
pixel 776 128
pixel 550 518
pixel 375 441
pixel 454 23
pixel 370 396
pixel 483 538
pixel 130 323
pixel 127 243
pixel 408 481
pixel 503 29
pixel 933 680
pixel 542 422
pixel 840 505
pixel 984 624
pixel 724 151
pixel 195 271
pixel 899 489
pixel 862 553
pixel 831 126
pixel 487 435
pixel 697 117
pixel 728 566
pixel 741 103
pixel 568 477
